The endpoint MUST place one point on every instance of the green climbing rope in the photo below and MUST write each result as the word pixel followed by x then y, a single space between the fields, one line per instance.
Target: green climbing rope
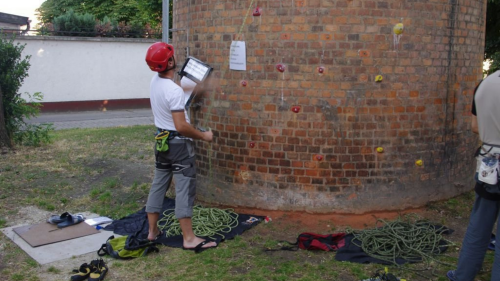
pixel 412 241
pixel 207 222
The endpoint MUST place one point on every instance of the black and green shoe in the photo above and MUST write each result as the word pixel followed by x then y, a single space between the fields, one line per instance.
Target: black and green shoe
pixel 100 270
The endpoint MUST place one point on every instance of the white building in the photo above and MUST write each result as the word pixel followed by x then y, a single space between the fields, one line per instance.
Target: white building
pixel 13 24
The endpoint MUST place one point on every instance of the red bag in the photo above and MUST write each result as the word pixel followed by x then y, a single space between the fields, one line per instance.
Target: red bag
pixel 313 241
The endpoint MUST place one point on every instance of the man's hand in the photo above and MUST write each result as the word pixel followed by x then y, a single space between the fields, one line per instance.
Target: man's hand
pixel 208 136
pixel 185 129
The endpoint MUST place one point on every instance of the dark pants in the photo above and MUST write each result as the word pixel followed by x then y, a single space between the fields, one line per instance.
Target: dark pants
pixel 477 238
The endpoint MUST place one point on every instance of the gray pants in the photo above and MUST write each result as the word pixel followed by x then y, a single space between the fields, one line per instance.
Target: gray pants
pixel 177 163
pixel 477 238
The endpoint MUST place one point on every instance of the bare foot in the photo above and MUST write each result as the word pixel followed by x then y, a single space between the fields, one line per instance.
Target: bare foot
pixel 196 241
pixel 153 235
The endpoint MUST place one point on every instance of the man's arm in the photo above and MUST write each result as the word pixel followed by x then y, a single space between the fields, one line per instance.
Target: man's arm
pixel 474 128
pixel 185 129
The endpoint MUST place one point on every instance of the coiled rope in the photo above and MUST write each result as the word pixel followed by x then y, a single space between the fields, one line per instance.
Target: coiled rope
pixel 412 241
pixel 207 222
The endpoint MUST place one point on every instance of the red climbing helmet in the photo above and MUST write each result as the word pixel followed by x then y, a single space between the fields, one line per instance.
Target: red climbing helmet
pixel 158 55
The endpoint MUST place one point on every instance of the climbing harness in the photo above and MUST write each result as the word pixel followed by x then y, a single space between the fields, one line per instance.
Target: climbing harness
pixel 180 167
pixel 207 222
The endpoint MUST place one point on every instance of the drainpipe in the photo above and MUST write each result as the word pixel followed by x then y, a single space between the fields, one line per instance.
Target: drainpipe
pixel 165 20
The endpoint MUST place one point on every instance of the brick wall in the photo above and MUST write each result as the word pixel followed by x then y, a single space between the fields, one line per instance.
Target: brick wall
pixel 323 158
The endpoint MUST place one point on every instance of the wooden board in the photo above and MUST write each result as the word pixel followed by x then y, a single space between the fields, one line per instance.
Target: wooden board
pixel 46 233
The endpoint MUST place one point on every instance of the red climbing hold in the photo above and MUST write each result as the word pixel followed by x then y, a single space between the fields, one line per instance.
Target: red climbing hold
pixel 296 109
pixel 321 69
pixel 280 67
pixel 252 145
pixel 243 83
pixel 319 157
pixel 256 12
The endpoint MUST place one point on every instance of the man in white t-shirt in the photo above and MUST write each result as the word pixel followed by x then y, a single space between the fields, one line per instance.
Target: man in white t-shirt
pixel 486 123
pixel 168 102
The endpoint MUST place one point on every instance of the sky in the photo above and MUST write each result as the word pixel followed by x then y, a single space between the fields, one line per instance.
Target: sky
pixel 24 8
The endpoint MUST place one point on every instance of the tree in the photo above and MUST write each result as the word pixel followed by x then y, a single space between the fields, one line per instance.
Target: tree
pixel 13 108
pixel 492 38
pixel 4 136
pixel 128 11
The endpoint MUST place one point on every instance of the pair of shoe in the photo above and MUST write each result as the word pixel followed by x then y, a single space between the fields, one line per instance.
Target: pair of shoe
pixel 95 271
pixel 65 219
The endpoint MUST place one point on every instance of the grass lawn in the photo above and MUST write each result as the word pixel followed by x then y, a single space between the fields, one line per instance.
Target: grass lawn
pixel 109 171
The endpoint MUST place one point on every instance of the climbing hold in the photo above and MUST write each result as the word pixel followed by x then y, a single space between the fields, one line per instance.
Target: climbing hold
pixel 243 83
pixel 296 109
pixel 380 149
pixel 419 162
pixel 257 12
pixel 398 29
pixel 321 69
pixel 319 157
pixel 379 78
pixel 252 145
pixel 280 67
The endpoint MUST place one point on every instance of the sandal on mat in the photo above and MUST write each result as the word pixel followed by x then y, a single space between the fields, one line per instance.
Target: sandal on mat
pixel 55 219
pixel 82 273
pixel 71 220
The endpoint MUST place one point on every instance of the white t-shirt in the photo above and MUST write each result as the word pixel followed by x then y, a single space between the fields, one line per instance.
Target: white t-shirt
pixel 166 97
pixel 487 102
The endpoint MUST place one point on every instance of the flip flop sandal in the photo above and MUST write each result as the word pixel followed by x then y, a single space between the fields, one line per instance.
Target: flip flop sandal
pixel 55 219
pixel 82 273
pixel 100 270
pixel 199 248
pixel 71 220
pixel 157 237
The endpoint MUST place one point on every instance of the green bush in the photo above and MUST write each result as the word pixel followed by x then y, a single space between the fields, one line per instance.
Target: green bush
pixel 16 109
pixel 74 24
pixel 106 27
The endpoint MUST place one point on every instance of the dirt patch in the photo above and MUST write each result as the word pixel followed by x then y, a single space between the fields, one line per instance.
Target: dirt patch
pixel 321 222
pixel 126 173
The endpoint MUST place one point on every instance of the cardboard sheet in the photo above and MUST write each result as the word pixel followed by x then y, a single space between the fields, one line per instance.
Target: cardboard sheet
pixel 46 233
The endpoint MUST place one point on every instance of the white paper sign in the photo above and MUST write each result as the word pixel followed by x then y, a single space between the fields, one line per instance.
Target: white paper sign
pixel 238 56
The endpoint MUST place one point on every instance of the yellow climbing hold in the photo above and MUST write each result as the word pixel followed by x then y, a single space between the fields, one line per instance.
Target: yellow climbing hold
pixel 378 78
pixel 380 149
pixel 398 29
pixel 419 162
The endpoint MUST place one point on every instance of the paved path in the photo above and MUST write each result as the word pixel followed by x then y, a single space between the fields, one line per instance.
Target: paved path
pixel 96 119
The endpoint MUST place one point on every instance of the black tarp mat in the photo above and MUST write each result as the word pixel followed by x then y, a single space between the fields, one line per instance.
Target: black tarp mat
pixel 136 224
